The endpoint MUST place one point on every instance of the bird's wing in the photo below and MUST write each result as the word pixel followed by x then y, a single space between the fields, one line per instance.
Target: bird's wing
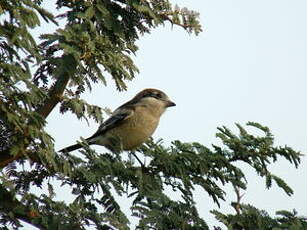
pixel 117 117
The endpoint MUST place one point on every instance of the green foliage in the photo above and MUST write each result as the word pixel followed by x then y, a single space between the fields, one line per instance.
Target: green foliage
pixel 251 218
pixel 82 109
pixel 18 95
pixel 290 220
pixel 95 46
pixel 94 179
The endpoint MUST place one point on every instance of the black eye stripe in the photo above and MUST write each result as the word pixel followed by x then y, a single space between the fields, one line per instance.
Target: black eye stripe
pixel 153 94
pixel 148 95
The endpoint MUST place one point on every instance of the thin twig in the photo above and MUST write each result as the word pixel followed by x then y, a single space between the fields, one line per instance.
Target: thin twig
pixel 138 159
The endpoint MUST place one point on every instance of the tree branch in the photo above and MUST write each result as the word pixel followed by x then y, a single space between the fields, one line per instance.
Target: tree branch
pixel 237 205
pixel 6 158
pixel 54 97
pixel 68 68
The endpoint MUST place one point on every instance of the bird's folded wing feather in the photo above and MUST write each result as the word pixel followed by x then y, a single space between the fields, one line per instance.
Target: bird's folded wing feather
pixel 117 117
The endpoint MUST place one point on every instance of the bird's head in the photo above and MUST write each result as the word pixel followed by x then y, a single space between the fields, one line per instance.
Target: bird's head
pixel 154 95
pixel 153 98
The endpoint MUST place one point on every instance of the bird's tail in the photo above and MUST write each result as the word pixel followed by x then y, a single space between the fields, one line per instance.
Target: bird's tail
pixel 71 148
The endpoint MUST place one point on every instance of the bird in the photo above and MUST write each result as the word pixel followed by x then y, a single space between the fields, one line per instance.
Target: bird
pixel 131 124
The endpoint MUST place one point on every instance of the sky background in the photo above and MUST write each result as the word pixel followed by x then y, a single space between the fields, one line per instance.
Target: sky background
pixel 248 64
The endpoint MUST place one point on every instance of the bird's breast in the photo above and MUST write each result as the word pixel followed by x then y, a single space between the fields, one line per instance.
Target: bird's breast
pixel 135 130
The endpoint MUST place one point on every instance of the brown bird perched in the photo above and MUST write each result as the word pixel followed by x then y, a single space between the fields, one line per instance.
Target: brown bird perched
pixel 132 123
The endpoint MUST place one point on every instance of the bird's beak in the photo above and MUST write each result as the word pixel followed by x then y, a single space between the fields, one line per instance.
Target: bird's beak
pixel 170 104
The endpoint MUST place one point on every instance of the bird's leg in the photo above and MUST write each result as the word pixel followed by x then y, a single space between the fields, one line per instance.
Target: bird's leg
pixel 137 158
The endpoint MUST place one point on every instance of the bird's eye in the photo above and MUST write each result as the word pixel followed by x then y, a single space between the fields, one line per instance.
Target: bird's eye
pixel 147 95
pixel 154 94
pixel 158 95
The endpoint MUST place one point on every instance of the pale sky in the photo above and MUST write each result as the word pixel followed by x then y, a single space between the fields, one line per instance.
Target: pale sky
pixel 249 64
